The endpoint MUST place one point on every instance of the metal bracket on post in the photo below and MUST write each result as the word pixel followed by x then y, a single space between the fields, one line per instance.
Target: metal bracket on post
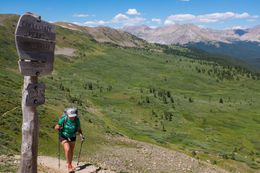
pixel 35 43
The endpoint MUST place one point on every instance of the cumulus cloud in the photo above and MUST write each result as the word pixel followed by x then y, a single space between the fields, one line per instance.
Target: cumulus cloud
pixel 125 20
pixel 215 17
pixel 81 15
pixel 207 18
pixel 95 23
pixel 135 21
pixel 242 15
pixel 156 20
pixel 237 27
pixel 92 23
pixel 132 11
pixel 120 18
pixel 179 18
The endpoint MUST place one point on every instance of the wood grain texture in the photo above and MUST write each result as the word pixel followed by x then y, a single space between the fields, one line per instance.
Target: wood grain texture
pixel 30 131
pixel 29 68
pixel 35 42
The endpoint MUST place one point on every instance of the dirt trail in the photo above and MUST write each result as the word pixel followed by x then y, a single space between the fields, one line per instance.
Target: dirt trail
pixel 50 165
pixel 124 155
pixel 65 51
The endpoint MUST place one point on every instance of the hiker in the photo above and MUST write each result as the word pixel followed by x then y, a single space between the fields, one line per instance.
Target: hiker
pixel 68 126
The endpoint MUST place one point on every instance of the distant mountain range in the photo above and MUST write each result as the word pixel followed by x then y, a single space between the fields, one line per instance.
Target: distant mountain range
pixel 239 43
pixel 189 33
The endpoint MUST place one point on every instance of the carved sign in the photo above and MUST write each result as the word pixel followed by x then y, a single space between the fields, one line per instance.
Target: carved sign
pixel 35 49
pixel 30 68
pixel 35 94
pixel 35 43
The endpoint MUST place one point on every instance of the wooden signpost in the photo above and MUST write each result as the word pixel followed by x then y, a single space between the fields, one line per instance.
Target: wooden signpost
pixel 35 43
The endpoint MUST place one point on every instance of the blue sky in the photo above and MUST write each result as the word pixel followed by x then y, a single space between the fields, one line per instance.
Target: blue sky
pixel 218 14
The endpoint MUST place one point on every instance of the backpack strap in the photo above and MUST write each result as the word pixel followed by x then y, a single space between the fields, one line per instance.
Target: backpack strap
pixel 65 120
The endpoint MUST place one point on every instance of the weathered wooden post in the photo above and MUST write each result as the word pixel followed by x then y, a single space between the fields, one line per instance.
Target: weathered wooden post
pixel 35 43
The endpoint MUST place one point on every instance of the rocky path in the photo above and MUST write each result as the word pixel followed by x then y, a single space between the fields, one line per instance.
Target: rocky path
pixel 134 156
pixel 125 155
pixel 50 165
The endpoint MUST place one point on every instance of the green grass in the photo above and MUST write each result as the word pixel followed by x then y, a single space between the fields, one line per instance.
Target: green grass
pixel 166 99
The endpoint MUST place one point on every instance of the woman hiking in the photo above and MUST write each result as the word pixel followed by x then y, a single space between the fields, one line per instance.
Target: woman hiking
pixel 68 125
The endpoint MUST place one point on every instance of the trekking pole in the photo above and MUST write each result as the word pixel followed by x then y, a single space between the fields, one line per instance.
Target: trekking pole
pixel 59 148
pixel 80 151
pixel 59 133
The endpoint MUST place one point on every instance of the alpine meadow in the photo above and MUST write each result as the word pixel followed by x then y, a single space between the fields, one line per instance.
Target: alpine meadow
pixel 204 105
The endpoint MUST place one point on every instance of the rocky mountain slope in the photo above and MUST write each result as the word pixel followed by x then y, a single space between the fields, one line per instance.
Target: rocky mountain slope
pixel 107 35
pixel 189 33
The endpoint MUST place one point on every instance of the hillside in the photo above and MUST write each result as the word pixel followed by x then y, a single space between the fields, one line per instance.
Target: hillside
pixel 107 35
pixel 238 43
pixel 200 108
pixel 247 51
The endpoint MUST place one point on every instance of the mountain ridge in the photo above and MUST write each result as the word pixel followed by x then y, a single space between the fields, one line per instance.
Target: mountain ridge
pixel 107 35
pixel 243 44
pixel 187 33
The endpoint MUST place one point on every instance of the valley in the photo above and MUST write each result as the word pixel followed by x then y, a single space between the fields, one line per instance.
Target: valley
pixel 199 107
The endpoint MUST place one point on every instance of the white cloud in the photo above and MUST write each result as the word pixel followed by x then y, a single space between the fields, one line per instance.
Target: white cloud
pixel 156 20
pixel 237 27
pixel 92 23
pixel 242 16
pixel 207 18
pixel 135 21
pixel 81 15
pixel 77 23
pixel 169 22
pixel 125 20
pixel 215 17
pixel 95 23
pixel 120 18
pixel 181 17
pixel 132 11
